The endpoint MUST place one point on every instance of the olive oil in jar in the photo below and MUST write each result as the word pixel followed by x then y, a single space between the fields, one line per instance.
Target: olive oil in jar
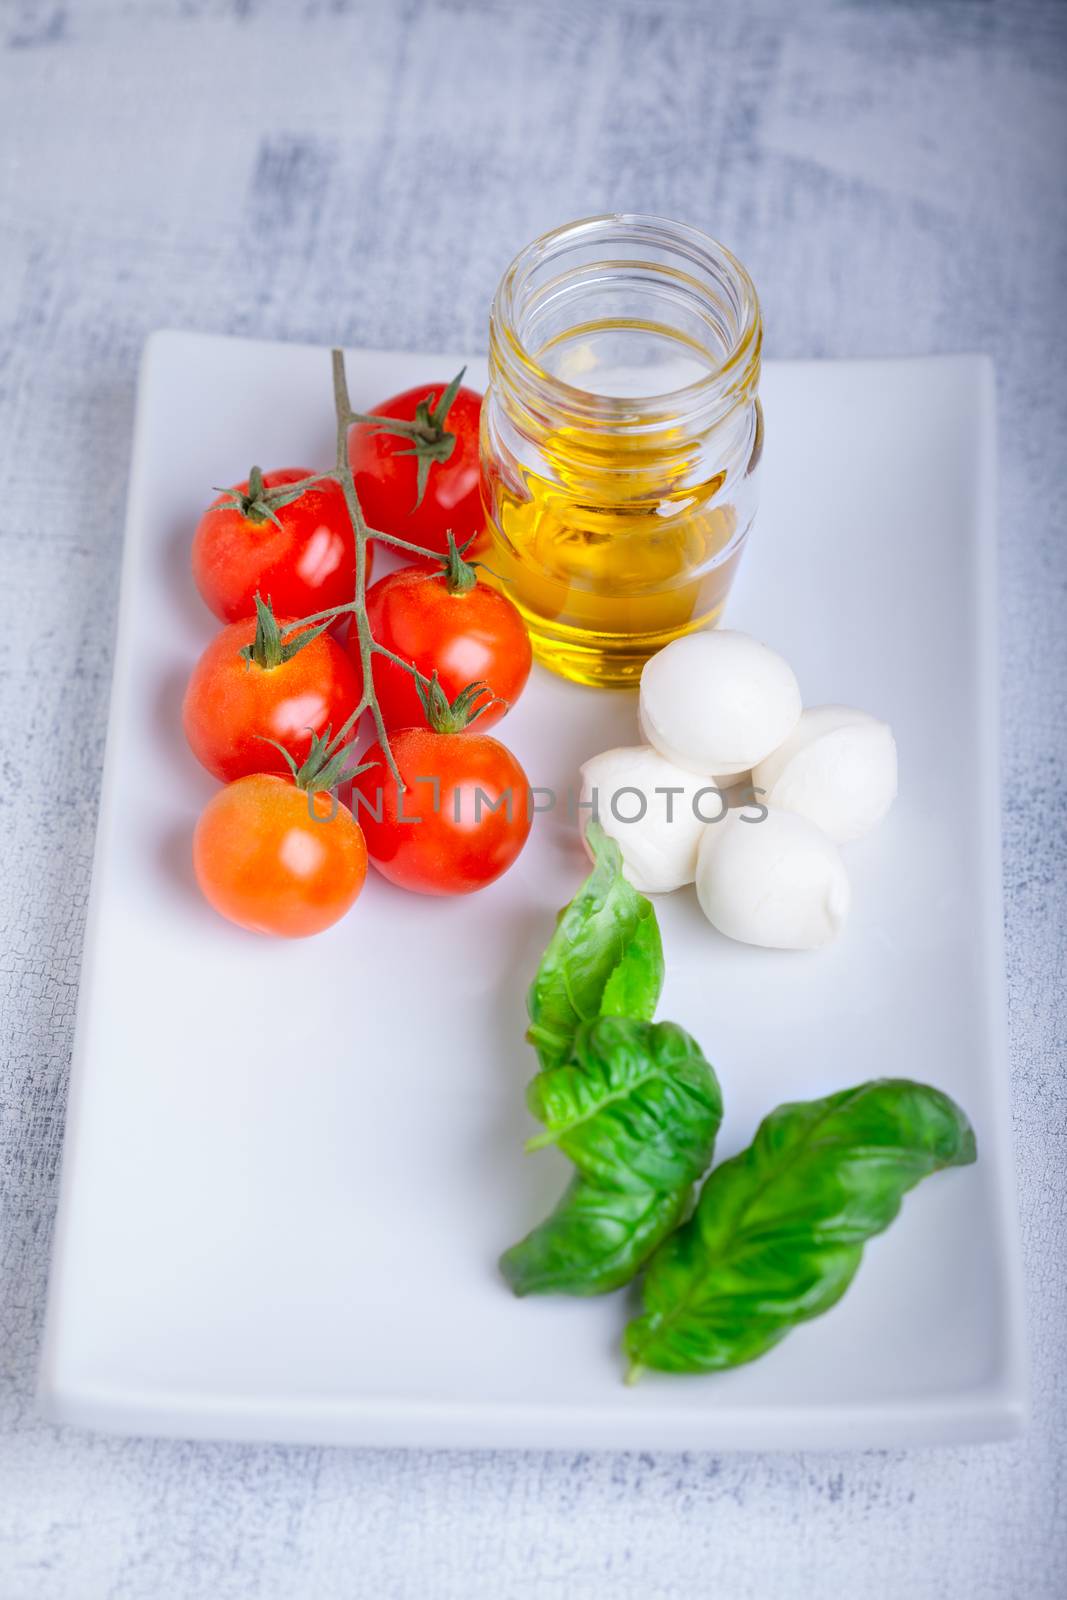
pixel 618 454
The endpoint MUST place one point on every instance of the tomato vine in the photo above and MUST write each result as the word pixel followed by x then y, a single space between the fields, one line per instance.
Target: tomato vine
pixel 262 501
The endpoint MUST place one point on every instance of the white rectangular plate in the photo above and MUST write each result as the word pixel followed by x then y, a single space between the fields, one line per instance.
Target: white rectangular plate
pixel 290 1167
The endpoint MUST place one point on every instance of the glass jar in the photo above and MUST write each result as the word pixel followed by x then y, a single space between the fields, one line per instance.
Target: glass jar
pixel 621 433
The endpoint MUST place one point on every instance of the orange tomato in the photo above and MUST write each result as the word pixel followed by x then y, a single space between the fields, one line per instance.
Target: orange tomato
pixel 275 859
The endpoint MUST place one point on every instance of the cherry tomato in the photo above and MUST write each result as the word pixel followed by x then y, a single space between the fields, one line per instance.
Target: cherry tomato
pixel 475 636
pixel 387 473
pixel 472 800
pixel 233 706
pixel 264 862
pixel 307 564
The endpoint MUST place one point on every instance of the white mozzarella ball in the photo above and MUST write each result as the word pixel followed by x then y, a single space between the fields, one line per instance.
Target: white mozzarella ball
pixel 655 811
pixel 717 702
pixel 838 768
pixel 778 882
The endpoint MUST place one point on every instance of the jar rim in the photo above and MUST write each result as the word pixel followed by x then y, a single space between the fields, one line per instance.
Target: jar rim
pixel 715 391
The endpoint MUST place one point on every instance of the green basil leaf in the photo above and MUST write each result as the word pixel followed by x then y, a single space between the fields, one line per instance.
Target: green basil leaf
pixel 594 1241
pixel 636 1107
pixel 604 958
pixel 778 1231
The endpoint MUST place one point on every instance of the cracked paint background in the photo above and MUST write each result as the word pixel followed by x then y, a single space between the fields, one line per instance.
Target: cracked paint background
pixel 360 171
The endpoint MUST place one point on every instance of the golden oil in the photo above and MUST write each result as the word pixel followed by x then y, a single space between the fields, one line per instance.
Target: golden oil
pixel 618 451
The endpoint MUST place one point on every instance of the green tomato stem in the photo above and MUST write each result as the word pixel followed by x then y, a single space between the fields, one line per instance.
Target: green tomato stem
pixel 343 468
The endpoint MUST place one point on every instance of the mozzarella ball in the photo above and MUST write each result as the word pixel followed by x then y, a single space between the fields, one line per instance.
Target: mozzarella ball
pixel 717 702
pixel 778 882
pixel 658 832
pixel 838 768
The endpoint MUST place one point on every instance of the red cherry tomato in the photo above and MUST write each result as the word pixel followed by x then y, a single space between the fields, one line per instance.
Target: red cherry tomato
pixel 472 799
pixel 472 637
pixel 233 706
pixel 308 564
pixel 387 474
pixel 264 862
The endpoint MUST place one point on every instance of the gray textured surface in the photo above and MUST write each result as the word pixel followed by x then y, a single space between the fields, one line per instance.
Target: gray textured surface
pixel 894 177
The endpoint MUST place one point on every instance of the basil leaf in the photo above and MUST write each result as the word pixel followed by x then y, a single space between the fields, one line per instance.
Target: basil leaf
pixel 778 1231
pixel 636 1107
pixel 604 958
pixel 594 1241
